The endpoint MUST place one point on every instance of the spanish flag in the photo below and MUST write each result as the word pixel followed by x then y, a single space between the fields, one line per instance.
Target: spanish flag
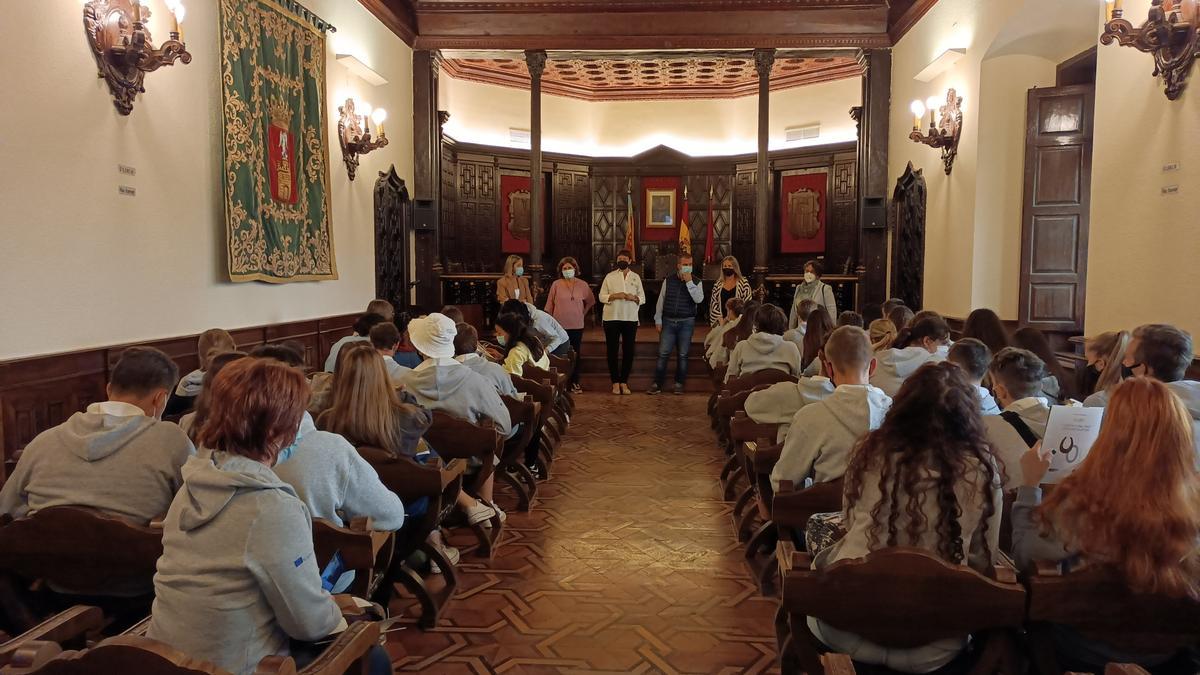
pixel 685 232
pixel 630 226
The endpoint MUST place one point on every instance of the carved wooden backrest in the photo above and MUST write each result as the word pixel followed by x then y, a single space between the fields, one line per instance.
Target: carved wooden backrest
pixel 760 377
pixel 1096 602
pixel 80 548
pixel 903 598
pixel 792 508
pixel 541 392
pixel 366 552
pixel 526 413
pixel 742 429
pixel 456 438
pixel 730 402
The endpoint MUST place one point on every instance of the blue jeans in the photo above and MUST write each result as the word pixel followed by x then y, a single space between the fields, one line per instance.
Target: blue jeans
pixel 676 335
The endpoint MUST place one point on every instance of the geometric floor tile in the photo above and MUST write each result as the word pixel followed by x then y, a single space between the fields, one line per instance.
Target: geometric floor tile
pixel 625 565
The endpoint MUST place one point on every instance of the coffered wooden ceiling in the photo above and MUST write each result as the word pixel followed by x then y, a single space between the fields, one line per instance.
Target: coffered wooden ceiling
pixel 648 24
pixel 622 76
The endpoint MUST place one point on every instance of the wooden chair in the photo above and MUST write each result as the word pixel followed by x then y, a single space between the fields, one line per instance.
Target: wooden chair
pixel 543 394
pixel 71 627
pixel 718 380
pixel 886 599
pixel 365 551
pixel 729 404
pixel 566 365
pixel 761 457
pixel 525 412
pixel 412 481
pixel 744 430
pixel 139 654
pixel 77 548
pixel 455 438
pixel 556 424
pixel 1095 602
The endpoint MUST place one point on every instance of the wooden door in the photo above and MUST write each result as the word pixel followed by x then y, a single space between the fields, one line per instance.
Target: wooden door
pixel 1054 228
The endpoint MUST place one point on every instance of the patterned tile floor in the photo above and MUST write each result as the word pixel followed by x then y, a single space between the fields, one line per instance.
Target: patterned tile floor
pixel 627 563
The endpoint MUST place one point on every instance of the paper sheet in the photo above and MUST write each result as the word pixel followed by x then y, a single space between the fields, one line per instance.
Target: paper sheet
pixel 1070 433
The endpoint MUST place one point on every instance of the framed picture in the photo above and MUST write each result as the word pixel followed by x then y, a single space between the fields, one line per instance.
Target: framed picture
pixel 660 209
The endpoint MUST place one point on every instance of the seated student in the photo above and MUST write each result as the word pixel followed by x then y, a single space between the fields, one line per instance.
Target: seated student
pixel 871 312
pixel 1017 383
pixel 849 318
pixel 289 353
pixel 1054 387
pixel 712 341
pixel 362 333
pixel 882 334
pixel 546 328
pixel 406 355
pixel 211 342
pixel 900 316
pixel 466 352
pixel 521 345
pixel 1104 354
pixel 1162 352
pixel 817 330
pixel 382 308
pixel 385 337
pixel 191 422
pixel 1130 504
pixel 974 358
pixel 985 325
pixel 765 348
pixel 823 434
pixel 803 311
pixel 891 304
pixel 238 575
pixel 118 456
pixel 919 481
pixel 929 339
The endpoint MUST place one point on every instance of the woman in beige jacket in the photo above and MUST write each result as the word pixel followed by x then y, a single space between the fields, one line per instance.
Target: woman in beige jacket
pixel 514 285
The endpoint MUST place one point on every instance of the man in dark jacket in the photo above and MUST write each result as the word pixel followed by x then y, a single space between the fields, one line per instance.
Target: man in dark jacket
pixel 675 318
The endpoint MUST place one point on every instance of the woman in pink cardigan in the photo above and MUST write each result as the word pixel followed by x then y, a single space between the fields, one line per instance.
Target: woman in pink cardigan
pixel 569 302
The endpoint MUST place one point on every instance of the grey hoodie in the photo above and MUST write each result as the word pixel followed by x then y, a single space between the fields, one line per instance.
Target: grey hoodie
pixel 895 365
pixel 126 464
pixel 823 434
pixel 1007 444
pixel 190 384
pixel 761 351
pixel 714 344
pixel 238 575
pixel 778 403
pixel 447 385
pixel 1188 391
pixel 492 372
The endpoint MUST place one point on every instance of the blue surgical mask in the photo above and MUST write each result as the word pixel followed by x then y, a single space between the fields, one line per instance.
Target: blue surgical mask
pixel 568 273
pixel 502 340
pixel 520 271
pixel 686 269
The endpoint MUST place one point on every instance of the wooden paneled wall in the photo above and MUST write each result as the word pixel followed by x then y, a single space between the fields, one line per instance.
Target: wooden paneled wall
pixel 40 392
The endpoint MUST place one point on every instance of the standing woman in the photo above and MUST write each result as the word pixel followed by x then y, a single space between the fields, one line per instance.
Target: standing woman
pixel 731 285
pixel 569 302
pixel 622 294
pixel 513 285
pixel 813 289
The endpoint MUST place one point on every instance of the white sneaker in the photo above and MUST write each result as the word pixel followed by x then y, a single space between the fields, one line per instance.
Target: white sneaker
pixel 503 516
pixel 479 513
pixel 452 554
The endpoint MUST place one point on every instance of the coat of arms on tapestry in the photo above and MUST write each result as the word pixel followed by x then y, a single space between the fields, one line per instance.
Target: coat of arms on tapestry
pixel 276 160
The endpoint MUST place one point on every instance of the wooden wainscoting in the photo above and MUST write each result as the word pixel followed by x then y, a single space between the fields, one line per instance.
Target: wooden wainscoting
pixel 39 392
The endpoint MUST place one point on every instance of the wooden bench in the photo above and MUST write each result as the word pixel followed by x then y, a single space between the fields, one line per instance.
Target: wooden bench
pixel 527 413
pixel 730 400
pixel 556 424
pixel 366 552
pixel 887 598
pixel 543 394
pixel 71 627
pixel 744 430
pixel 760 457
pixel 455 438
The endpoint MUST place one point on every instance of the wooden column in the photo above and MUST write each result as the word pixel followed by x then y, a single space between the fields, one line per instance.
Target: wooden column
pixel 764 59
pixel 873 173
pixel 536 61
pixel 427 180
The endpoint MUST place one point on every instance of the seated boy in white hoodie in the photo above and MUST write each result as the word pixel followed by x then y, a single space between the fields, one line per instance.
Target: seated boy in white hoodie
pixel 1017 381
pixel 975 358
pixel 929 341
pixel 823 434
pixel 765 348
pixel 714 351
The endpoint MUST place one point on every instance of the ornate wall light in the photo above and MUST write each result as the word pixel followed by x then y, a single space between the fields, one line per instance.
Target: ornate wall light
pixel 120 40
pixel 945 125
pixel 354 132
pixel 1171 34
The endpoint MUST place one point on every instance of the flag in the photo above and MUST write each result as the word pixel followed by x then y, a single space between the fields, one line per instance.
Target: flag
pixel 708 242
pixel 685 232
pixel 630 244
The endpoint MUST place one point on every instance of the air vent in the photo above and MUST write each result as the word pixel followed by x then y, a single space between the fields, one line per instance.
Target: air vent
pixel 518 137
pixel 804 133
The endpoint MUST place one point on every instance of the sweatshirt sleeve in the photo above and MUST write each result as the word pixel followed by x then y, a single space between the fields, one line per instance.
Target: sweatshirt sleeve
pixel 798 456
pixel 279 553
pixel 12 495
pixel 735 363
pixel 493 408
pixel 1028 543
pixel 364 495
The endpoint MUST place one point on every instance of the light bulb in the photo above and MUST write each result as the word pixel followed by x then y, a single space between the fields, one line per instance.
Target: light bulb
pixel 933 103
pixel 180 11
pixel 364 109
pixel 918 108
pixel 380 116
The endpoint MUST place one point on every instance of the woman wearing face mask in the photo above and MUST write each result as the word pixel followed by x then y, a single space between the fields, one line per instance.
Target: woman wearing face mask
pixel 731 285
pixel 569 302
pixel 621 294
pixel 1104 353
pixel 514 285
pixel 813 289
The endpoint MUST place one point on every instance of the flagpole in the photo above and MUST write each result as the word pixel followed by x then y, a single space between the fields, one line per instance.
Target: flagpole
pixel 708 241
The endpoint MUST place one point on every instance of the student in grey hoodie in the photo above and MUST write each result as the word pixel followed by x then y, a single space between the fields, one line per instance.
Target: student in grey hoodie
pixel 466 352
pixel 362 333
pixel 765 348
pixel 1017 381
pixel 1162 352
pixel 929 340
pixel 975 358
pixel 238 575
pixel 823 435
pixel 117 456
pixel 779 403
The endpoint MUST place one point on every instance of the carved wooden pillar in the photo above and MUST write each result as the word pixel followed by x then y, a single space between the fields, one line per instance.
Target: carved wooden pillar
pixel 427 152
pixel 764 59
pixel 536 61
pixel 872 172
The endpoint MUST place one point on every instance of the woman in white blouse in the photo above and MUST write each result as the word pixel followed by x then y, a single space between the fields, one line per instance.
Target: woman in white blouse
pixel 622 295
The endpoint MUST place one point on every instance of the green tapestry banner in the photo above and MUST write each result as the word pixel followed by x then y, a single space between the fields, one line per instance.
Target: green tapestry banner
pixel 276 170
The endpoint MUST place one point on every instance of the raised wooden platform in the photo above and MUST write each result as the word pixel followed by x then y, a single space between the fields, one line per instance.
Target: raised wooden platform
pixel 594 361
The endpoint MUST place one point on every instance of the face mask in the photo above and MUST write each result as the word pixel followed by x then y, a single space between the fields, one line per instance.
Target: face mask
pixel 287 452
pixel 727 272
pixel 1093 370
pixel 686 269
pixel 622 264
pixel 501 340
pixel 520 271
pixel 809 277
pixel 1127 371
pixel 568 273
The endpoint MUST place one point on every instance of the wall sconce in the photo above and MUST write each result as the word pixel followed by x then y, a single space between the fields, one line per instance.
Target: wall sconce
pixel 1171 34
pixel 120 40
pixel 945 125
pixel 354 132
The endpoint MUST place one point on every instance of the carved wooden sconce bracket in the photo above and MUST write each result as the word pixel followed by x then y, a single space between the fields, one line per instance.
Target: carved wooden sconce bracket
pixel 124 52
pixel 946 131
pixel 354 134
pixel 1171 35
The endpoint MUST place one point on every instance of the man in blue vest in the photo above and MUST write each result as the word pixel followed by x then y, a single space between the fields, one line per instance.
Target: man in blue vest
pixel 675 318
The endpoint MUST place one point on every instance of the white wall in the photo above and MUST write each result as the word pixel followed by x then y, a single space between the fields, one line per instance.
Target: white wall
pixel 83 266
pixel 483 113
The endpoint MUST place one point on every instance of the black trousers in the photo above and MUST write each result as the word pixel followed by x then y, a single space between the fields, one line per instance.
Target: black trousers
pixel 620 334
pixel 576 336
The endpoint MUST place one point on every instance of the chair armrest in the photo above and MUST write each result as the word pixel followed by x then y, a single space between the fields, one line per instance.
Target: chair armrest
pixel 791 559
pixel 32 654
pixel 350 646
pixel 156 523
pixel 1004 568
pixel 452 470
pixel 1047 568
pixel 68 625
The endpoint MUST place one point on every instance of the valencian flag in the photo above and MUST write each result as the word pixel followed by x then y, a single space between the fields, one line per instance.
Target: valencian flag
pixel 708 241
pixel 630 225
pixel 685 232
